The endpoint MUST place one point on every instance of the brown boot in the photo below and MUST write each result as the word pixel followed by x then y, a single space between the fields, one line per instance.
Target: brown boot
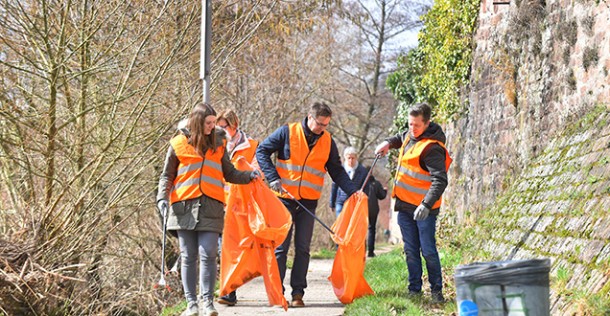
pixel 297 301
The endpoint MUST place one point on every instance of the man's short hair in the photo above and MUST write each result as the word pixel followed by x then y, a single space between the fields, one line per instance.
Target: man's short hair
pixel 320 109
pixel 422 109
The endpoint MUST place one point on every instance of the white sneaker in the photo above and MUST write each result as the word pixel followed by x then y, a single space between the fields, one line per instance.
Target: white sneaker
pixel 191 310
pixel 208 307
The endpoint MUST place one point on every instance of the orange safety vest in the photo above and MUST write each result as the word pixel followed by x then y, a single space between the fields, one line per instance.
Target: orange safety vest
pixel 303 173
pixel 196 175
pixel 247 153
pixel 412 182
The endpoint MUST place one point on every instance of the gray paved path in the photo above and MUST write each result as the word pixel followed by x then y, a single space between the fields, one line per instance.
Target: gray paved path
pixel 319 296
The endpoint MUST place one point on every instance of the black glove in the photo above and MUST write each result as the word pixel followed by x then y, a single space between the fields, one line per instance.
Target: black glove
pixel 421 213
pixel 163 206
pixel 255 174
pixel 276 185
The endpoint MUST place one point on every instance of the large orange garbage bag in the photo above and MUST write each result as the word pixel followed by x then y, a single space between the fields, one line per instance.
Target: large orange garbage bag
pixel 256 223
pixel 347 276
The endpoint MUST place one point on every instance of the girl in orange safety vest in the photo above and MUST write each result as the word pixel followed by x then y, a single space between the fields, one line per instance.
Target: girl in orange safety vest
pixel 196 166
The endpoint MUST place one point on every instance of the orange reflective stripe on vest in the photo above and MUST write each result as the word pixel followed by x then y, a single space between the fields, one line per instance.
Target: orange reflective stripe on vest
pixel 412 182
pixel 197 176
pixel 303 174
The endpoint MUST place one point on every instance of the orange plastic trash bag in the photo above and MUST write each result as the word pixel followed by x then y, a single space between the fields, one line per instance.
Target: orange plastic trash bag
pixel 268 217
pixel 347 276
pixel 256 223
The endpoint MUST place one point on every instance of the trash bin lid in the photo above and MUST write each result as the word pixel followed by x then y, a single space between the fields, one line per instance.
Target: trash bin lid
pixel 523 272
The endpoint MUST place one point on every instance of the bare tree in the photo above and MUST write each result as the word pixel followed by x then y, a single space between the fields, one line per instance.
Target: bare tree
pixel 82 113
pixel 363 59
pixel 90 92
pixel 272 81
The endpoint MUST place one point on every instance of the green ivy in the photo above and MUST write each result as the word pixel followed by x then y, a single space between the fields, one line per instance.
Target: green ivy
pixel 437 70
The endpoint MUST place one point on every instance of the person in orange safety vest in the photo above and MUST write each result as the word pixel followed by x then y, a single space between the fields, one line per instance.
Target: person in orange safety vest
pixel 191 188
pixel 239 144
pixel 421 179
pixel 305 152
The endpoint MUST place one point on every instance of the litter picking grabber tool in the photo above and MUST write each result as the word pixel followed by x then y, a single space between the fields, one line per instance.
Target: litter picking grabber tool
pixel 162 279
pixel 308 211
pixel 368 175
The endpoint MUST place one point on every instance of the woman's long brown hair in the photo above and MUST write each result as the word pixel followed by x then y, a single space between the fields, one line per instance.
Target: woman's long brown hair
pixel 196 126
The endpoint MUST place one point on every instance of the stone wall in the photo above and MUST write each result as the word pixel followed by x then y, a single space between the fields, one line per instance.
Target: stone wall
pixel 559 208
pixel 528 83
pixel 532 153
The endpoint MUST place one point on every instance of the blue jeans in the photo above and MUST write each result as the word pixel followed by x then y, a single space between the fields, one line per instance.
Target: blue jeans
pixel 419 237
pixel 338 209
pixel 302 228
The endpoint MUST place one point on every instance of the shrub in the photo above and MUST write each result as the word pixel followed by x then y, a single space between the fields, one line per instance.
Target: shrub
pixel 439 68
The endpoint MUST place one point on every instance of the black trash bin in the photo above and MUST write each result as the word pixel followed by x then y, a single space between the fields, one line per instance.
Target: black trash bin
pixel 503 288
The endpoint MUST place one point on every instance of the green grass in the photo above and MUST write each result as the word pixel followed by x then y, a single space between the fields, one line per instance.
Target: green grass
pixel 323 254
pixel 174 310
pixel 387 275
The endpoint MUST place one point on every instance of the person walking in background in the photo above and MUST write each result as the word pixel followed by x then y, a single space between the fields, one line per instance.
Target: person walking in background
pixel 191 188
pixel 421 179
pixel 239 145
pixel 355 171
pixel 375 192
pixel 305 152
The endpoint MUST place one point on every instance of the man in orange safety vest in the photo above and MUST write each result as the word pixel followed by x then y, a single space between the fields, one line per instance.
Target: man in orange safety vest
pixel 421 179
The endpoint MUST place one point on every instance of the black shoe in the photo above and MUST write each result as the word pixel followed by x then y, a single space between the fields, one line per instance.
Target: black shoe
pixel 414 294
pixel 437 297
pixel 371 255
pixel 229 299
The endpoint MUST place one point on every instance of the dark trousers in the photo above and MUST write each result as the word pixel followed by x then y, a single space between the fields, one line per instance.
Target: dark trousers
pixel 302 229
pixel 372 228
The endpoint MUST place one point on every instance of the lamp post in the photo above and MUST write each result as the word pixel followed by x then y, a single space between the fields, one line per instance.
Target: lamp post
pixel 206 39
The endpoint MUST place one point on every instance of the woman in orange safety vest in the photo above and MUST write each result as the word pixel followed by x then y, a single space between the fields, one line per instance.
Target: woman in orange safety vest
pixel 191 187
pixel 239 145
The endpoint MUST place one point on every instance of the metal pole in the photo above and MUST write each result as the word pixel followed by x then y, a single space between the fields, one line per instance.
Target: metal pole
pixel 206 40
pixel 370 171
pixel 162 279
pixel 308 211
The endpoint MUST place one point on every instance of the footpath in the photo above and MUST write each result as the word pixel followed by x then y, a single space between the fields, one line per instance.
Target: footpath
pixel 319 296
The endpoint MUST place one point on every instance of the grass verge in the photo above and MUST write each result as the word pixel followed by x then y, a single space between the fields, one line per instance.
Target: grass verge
pixel 324 254
pixel 174 310
pixel 387 275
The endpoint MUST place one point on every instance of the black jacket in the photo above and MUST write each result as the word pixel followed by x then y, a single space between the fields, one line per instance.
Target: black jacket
pixel 432 160
pixel 338 196
pixel 375 192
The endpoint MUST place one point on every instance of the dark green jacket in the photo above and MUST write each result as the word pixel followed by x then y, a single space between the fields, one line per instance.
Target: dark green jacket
pixel 203 213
